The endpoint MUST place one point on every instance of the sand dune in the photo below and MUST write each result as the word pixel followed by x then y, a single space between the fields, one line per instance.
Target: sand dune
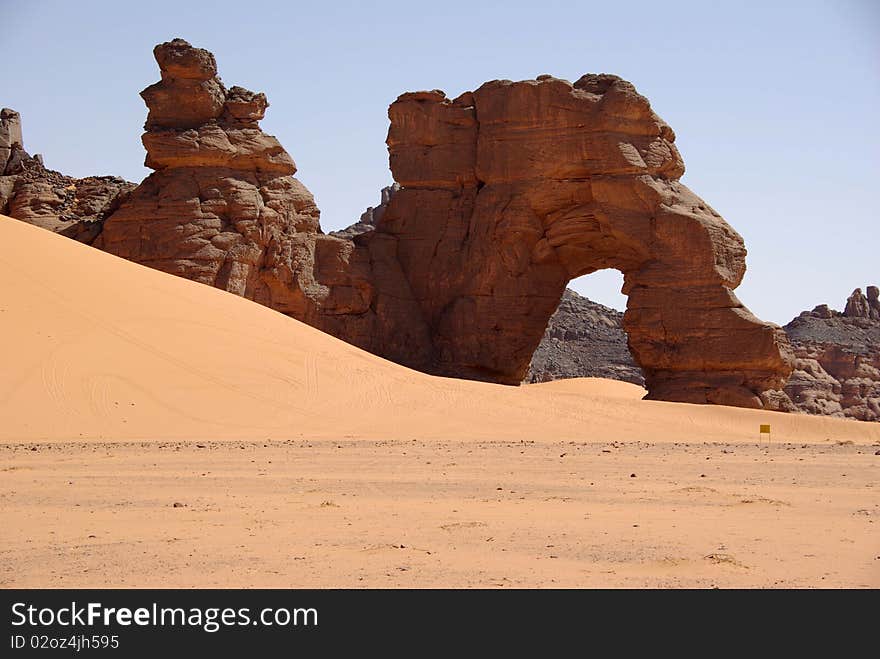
pixel 135 409
pixel 97 348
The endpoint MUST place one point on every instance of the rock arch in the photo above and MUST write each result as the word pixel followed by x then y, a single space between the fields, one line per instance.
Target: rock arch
pixel 513 190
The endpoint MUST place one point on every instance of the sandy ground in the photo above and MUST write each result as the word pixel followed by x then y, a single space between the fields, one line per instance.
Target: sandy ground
pixel 299 460
pixel 440 514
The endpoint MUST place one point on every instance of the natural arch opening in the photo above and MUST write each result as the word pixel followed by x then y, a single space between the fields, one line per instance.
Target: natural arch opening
pixel 512 191
pixel 585 335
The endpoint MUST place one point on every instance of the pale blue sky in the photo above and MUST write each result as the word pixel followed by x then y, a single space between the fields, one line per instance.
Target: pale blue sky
pixel 775 104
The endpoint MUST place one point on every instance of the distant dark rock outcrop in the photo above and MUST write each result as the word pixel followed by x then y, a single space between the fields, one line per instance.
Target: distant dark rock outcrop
pixel 370 217
pixel 74 207
pixel 584 339
pixel 837 365
pixel 861 306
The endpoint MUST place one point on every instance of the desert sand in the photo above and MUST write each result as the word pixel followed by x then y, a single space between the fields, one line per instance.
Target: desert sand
pixel 158 432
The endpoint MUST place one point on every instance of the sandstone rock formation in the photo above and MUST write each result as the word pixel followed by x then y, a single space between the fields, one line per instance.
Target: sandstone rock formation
pixel 506 193
pixel 874 302
pixel 837 367
pixel 222 207
pixel 859 306
pixel 584 339
pixel 28 191
pixel 11 144
pixel 512 190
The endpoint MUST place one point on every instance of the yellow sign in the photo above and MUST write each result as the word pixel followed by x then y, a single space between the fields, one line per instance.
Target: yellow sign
pixel 765 428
